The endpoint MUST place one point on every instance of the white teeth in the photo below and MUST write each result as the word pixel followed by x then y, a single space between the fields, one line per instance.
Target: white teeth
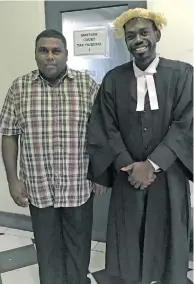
pixel 141 48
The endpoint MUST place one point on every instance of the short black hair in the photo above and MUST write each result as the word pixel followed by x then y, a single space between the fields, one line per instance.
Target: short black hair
pixel 53 34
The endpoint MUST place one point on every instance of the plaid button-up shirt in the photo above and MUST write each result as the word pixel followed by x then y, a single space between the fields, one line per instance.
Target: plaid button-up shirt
pixel 52 124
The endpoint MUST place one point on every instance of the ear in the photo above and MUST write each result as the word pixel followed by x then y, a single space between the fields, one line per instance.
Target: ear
pixel 158 35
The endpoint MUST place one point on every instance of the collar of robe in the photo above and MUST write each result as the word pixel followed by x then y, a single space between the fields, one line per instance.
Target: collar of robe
pixel 145 82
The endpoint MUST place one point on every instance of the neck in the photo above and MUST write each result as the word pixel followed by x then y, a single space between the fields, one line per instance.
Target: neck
pixel 54 81
pixel 143 64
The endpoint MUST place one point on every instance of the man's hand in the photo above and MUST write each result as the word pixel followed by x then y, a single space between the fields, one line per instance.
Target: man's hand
pixel 141 174
pixel 18 193
pixel 99 189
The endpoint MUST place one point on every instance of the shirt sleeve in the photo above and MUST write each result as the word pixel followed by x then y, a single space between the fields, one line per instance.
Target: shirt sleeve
pixel 94 87
pixel 8 119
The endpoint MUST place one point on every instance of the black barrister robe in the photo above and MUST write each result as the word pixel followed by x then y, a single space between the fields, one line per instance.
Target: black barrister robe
pixel 153 245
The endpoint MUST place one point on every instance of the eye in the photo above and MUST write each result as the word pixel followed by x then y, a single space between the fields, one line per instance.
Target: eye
pixel 56 50
pixel 130 36
pixel 43 50
pixel 144 33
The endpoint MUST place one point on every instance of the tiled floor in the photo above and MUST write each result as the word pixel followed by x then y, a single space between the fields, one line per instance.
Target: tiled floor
pixel 18 258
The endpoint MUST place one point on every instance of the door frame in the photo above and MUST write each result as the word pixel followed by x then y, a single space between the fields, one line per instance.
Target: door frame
pixel 54 9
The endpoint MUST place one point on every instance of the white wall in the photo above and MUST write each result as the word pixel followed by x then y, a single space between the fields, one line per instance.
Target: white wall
pixel 177 40
pixel 20 23
pixel 178 37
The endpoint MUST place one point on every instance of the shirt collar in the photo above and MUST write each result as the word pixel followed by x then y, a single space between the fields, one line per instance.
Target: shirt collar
pixel 151 69
pixel 70 74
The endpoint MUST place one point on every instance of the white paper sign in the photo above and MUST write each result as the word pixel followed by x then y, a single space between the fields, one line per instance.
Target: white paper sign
pixel 90 42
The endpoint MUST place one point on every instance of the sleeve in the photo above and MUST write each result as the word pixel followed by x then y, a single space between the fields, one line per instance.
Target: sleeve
pixel 8 120
pixel 169 149
pixel 94 88
pixel 106 145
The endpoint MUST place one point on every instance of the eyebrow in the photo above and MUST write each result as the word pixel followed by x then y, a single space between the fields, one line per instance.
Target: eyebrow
pixel 142 29
pixel 54 47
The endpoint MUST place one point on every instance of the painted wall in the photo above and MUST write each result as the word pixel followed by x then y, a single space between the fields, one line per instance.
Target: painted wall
pixel 20 23
pixel 178 37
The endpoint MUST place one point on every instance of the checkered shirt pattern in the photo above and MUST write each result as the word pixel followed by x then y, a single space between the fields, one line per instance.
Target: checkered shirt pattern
pixel 52 125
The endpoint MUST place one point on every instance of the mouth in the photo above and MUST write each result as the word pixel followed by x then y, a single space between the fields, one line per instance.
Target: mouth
pixel 50 66
pixel 141 49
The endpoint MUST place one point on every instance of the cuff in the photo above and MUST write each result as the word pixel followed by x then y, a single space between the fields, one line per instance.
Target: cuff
pixel 122 160
pixel 156 167
pixel 163 156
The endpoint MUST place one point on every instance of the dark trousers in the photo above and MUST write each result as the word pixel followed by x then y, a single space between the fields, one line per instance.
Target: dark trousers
pixel 63 242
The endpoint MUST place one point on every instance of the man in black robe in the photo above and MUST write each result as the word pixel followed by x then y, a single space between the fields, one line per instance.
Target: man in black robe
pixel 140 144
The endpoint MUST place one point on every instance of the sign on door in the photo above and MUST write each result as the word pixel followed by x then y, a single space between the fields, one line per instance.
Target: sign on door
pixel 90 42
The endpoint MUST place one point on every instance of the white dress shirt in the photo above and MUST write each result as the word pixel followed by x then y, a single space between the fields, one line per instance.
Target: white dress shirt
pixel 145 82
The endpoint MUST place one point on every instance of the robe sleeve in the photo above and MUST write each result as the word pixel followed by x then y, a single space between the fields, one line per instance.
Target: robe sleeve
pixel 178 141
pixel 105 144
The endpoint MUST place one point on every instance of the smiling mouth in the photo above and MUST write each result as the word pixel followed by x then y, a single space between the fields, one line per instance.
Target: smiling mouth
pixel 140 49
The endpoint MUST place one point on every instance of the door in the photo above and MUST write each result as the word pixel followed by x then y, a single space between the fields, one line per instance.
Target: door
pixel 91 41
pixel 72 18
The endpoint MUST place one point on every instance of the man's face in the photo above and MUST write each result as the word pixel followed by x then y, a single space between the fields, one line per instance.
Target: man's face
pixel 141 38
pixel 51 57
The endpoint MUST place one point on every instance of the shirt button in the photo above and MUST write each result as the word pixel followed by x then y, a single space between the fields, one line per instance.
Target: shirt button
pixel 146 147
pixel 145 129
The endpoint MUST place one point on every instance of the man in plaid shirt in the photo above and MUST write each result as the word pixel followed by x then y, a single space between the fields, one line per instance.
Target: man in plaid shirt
pixel 47 110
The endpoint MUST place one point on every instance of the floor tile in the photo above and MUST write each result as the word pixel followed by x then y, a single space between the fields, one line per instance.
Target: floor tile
pixel 27 275
pixel 8 242
pixel 16 221
pixel 3 230
pixel 17 258
pixel 97 261
pixel 93 244
pixel 100 247
pixel 102 277
pixel 19 233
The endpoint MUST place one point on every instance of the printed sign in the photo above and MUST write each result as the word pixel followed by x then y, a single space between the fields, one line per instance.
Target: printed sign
pixel 90 42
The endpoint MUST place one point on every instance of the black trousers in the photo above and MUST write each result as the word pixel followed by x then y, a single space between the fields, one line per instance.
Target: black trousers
pixel 63 243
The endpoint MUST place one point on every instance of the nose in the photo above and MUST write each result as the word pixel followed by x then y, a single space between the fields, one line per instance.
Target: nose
pixel 50 55
pixel 138 40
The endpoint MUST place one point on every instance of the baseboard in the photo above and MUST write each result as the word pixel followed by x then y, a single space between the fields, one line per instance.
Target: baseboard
pixel 15 221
